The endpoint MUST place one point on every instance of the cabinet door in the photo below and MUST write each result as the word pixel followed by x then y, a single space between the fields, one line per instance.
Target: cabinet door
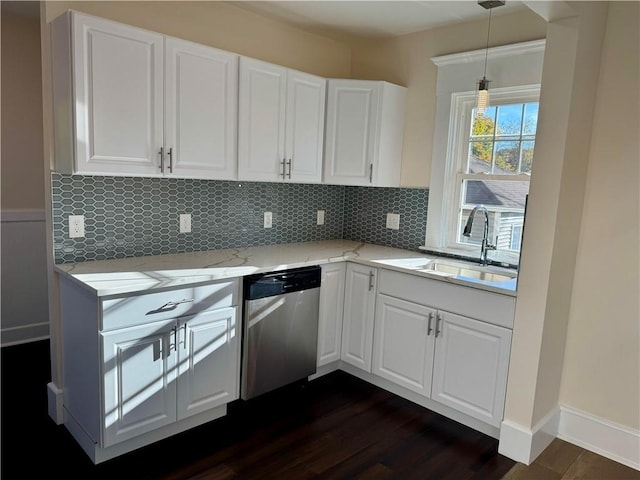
pixel 403 343
pixel 118 87
pixel 201 96
pixel 352 112
pixel 470 366
pixel 209 363
pixel 331 307
pixel 139 380
pixel 261 130
pixel 359 305
pixel 305 127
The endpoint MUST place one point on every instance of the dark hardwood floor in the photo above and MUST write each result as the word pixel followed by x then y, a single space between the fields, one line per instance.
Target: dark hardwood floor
pixel 336 427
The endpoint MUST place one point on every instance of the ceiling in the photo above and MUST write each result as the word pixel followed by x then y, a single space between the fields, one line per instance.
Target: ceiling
pixel 373 18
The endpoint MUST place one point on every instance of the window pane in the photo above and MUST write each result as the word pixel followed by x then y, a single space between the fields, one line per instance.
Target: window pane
pixel 507 157
pixel 505 229
pixel 509 119
pixel 484 125
pixel 480 154
pixel 497 193
pixel 527 156
pixel 530 118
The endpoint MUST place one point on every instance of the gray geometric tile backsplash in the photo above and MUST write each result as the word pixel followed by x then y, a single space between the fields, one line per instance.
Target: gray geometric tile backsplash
pixel 136 216
pixel 365 215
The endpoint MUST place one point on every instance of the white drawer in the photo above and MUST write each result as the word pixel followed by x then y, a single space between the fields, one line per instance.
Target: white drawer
pixel 151 307
pixel 471 302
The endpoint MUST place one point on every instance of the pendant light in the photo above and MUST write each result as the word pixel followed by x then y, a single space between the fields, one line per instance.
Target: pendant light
pixel 482 95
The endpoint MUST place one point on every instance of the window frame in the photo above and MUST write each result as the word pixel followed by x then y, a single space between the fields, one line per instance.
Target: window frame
pixel 462 104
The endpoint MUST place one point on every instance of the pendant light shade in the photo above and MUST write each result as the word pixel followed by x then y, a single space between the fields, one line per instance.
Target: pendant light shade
pixel 482 95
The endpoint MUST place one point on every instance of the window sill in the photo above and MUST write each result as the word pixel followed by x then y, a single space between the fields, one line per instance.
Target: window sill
pixel 497 259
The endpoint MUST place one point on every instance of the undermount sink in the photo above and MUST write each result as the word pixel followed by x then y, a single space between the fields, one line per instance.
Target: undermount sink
pixel 467 271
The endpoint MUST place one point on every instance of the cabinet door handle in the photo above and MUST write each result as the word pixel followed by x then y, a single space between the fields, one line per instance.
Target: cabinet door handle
pixel 174 344
pixel 371 173
pixel 289 164
pixel 371 276
pixel 184 335
pixel 438 320
pixel 170 160
pixel 429 329
pixel 161 153
pixel 283 168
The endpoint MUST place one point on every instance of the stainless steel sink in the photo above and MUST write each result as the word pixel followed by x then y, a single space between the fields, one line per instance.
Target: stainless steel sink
pixel 458 270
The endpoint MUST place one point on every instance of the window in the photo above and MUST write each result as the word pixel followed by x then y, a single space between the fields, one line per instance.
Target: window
pixel 489 163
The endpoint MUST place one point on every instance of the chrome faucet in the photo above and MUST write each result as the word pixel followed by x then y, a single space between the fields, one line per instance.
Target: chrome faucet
pixel 485 246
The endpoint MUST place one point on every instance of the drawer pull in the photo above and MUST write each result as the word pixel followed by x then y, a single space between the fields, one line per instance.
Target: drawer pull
pixel 169 306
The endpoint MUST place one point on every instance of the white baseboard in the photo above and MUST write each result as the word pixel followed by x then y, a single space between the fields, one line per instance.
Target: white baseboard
pixel 55 403
pixel 601 436
pixel 522 444
pixel 604 437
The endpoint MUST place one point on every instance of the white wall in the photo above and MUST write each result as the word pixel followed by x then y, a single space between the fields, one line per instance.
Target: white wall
pixel 24 314
pixel 601 373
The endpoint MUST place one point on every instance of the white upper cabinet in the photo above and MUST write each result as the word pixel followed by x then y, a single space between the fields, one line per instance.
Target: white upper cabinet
pixel 108 88
pixel 201 92
pixel 365 128
pixel 112 102
pixel 263 91
pixel 281 123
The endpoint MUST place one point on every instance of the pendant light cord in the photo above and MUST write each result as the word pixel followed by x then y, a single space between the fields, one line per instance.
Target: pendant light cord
pixel 486 55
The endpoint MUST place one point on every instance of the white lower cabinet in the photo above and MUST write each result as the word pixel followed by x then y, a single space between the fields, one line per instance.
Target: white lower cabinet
pixel 470 367
pixel 139 368
pixel 453 359
pixel 139 380
pixel 403 343
pixel 330 315
pixel 359 306
pixel 158 373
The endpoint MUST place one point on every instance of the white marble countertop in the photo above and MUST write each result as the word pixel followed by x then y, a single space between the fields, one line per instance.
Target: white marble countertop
pixel 137 274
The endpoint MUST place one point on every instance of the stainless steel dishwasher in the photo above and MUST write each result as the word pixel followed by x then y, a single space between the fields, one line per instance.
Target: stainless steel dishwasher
pixel 280 333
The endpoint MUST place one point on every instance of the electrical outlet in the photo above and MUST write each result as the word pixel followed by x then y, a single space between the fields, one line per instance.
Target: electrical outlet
pixel 185 222
pixel 320 217
pixel 268 219
pixel 76 226
pixel 393 221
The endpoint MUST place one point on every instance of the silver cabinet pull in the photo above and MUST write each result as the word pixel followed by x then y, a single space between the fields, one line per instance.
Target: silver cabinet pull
pixel 371 275
pixel 170 160
pixel 174 344
pixel 161 153
pixel 438 320
pixel 184 335
pixel 289 164
pixel 167 307
pixel 283 168
pixel 371 173
pixel 429 329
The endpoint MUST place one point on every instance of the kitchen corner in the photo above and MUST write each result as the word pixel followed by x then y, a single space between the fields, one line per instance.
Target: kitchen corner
pixel 392 317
